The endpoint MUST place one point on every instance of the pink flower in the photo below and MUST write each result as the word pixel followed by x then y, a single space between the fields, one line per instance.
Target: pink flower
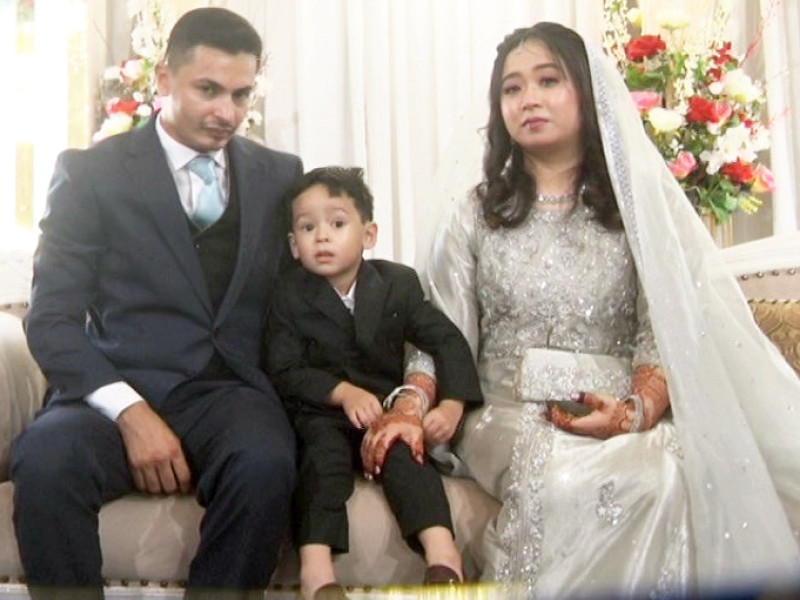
pixel 763 180
pixel 158 102
pixel 644 101
pixel 683 164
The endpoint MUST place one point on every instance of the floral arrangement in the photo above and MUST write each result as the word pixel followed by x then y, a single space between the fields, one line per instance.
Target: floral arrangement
pixel 702 111
pixel 128 94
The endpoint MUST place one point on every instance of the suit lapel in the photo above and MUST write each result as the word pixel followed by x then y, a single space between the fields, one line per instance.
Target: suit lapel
pixel 149 168
pixel 371 291
pixel 251 184
pixel 326 300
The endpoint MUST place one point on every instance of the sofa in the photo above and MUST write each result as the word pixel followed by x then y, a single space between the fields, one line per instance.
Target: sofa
pixel 148 541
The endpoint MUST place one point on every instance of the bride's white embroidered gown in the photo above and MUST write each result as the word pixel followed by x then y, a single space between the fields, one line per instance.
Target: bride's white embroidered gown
pixel 579 514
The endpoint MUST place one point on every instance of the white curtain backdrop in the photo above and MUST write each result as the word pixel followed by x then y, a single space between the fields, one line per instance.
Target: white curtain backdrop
pixel 395 86
pixel 399 87
pixel 782 65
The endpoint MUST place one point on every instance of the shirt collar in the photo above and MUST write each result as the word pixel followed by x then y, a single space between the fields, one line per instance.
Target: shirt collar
pixel 349 298
pixel 179 154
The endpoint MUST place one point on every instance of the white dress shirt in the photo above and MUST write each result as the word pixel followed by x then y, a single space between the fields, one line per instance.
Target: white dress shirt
pixel 349 298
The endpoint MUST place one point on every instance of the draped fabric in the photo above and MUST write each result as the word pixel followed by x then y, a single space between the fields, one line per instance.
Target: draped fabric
pixel 736 402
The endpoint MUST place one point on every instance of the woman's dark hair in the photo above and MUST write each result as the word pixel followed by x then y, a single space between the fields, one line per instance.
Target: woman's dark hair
pixel 214 27
pixel 507 190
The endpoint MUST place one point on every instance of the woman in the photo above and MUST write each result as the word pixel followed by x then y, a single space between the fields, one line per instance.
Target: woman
pixel 578 270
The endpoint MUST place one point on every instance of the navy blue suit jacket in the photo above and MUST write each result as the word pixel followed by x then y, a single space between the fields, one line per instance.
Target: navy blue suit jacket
pixel 118 290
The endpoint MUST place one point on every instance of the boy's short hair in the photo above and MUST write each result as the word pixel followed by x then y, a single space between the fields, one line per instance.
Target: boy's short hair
pixel 338 181
pixel 214 27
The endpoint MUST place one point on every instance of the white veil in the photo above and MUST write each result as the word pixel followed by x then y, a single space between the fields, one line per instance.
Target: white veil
pixel 735 401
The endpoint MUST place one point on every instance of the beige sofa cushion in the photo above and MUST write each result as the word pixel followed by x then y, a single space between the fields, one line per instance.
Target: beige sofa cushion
pixel 21 386
pixel 154 538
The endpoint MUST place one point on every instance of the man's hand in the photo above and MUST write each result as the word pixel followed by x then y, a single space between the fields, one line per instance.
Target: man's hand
pixel 154 452
pixel 361 407
pixel 441 422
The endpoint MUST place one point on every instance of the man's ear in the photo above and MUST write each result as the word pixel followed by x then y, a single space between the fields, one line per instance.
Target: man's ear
pixel 293 247
pixel 162 79
pixel 370 236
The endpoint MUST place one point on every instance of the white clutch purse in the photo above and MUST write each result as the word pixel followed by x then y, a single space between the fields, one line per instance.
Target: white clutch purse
pixel 545 374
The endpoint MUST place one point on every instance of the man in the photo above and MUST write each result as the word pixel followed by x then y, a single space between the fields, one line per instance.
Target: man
pixel 151 283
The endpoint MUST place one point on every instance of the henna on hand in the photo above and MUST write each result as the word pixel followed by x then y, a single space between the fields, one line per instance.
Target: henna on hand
pixel 610 417
pixel 381 436
pixel 650 383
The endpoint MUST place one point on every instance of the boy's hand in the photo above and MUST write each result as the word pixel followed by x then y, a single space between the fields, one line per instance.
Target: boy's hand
pixel 441 422
pixel 361 407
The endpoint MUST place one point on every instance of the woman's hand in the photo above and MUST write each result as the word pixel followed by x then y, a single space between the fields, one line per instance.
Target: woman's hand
pixel 402 424
pixel 441 422
pixel 610 417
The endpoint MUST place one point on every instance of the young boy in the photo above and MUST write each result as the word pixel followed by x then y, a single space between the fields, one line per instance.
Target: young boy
pixel 337 333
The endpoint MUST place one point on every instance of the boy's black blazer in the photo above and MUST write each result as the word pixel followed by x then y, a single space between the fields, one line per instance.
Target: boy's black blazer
pixel 314 342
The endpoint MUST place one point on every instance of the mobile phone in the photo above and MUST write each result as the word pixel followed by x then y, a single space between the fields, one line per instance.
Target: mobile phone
pixel 576 409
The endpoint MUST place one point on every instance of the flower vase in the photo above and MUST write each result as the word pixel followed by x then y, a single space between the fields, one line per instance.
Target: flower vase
pixel 721 233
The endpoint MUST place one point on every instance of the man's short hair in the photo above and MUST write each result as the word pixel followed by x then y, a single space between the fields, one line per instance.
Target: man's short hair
pixel 214 27
pixel 338 181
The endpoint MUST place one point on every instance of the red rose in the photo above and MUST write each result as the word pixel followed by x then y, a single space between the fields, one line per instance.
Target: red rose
pixel 738 172
pixel 644 46
pixel 124 105
pixel 744 120
pixel 706 111
pixel 723 54
pixel 714 74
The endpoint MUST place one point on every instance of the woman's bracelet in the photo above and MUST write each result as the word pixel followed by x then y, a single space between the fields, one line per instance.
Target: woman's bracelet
pixel 638 416
pixel 388 402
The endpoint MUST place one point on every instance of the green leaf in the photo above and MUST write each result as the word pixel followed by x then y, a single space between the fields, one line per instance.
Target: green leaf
pixel 648 80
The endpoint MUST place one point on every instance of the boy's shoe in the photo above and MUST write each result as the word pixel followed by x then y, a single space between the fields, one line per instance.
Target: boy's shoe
pixel 330 591
pixel 440 575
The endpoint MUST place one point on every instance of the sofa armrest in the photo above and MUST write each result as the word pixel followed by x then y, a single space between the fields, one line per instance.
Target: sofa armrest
pixel 22 386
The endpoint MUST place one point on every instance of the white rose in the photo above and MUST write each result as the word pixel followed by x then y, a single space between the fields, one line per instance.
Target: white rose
pixel 114 124
pixel 664 120
pixel 673 18
pixel 634 17
pixel 716 88
pixel 739 86
pixel 760 139
pixel 733 141
pixel 132 69
pixel 111 74
pixel 713 159
pixel 144 110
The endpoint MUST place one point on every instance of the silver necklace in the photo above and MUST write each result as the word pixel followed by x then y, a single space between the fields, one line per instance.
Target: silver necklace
pixel 568 197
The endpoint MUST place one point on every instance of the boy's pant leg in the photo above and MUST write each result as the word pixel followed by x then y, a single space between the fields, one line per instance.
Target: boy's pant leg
pixel 415 494
pixel 327 463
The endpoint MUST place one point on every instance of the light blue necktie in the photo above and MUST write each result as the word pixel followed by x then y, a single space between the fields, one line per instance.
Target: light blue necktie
pixel 209 201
